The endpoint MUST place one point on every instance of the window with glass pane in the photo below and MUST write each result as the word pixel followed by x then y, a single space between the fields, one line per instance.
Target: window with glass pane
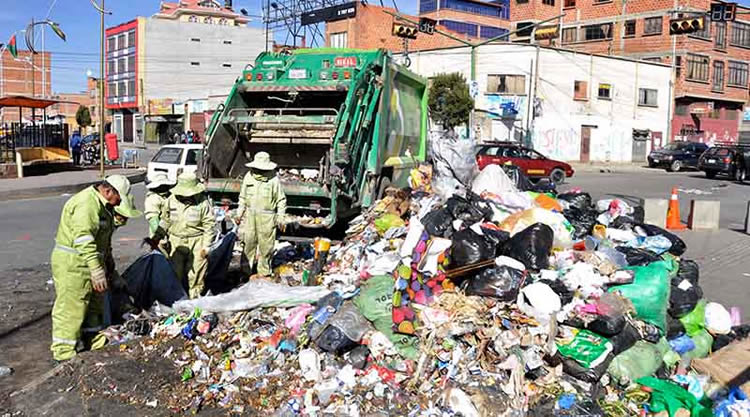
pixel 740 34
pixel 597 32
pixel 647 97
pixel 131 39
pixel 476 8
pixel 338 40
pixel 704 33
pixel 630 28
pixel 121 89
pixel 652 25
pixel 121 65
pixel 131 63
pixel 697 67
pixel 131 88
pixel 570 35
pixel 506 84
pixel 111 66
pixel 605 91
pixel 580 90
pixel 111 89
pixel 720 35
pixel 737 74
pixel 121 41
pixel 718 80
pixel 569 3
pixel 488 32
pixel 111 43
pixel 548 2
pixel 426 6
pixel 460 27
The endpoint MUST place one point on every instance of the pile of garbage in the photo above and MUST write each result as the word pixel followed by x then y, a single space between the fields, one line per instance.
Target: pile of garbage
pixel 467 297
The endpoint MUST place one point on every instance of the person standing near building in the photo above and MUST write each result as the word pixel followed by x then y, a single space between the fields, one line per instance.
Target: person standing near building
pixel 187 218
pixel 75 148
pixel 80 262
pixel 262 207
pixel 156 198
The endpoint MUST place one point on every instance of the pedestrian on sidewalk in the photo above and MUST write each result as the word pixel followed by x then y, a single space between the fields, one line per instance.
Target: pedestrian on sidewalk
pixel 188 221
pixel 80 260
pixel 262 208
pixel 159 187
pixel 75 148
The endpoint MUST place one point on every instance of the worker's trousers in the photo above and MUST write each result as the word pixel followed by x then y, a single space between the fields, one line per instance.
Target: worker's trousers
pixel 259 237
pixel 188 264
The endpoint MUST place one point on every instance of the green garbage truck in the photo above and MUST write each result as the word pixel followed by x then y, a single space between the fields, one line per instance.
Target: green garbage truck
pixel 342 124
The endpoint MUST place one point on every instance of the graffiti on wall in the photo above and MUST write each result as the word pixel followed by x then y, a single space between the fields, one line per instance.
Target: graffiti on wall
pixel 558 143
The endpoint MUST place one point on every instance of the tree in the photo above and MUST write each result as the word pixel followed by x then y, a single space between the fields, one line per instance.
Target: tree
pixel 450 102
pixel 83 117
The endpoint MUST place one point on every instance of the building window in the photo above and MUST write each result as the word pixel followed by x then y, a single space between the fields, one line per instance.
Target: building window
pixel 524 29
pixel 111 66
pixel 704 33
pixel 111 89
pixel 548 2
pixel 630 28
pixel 195 63
pixel 131 39
pixel 131 88
pixel 569 35
pixel 737 74
pixel 460 27
pixel 121 91
pixel 580 90
pixel 697 67
pixel 484 9
pixel 597 32
pixel 569 4
pixel 740 34
pixel 426 6
pixel 338 40
pixel 195 39
pixel 720 35
pixel 121 65
pixel 605 91
pixel 506 84
pixel 121 41
pixel 718 80
pixel 521 1
pixel 208 20
pixel 489 32
pixel 652 25
pixel 131 63
pixel 678 66
pixel 111 43
pixel 647 97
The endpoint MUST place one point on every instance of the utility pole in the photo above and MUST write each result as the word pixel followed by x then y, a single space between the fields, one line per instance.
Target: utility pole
pixel 33 81
pixel 101 98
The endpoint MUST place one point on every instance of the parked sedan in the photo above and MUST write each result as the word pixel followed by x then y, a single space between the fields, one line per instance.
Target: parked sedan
pixel 533 164
pixel 677 155
pixel 719 160
pixel 175 159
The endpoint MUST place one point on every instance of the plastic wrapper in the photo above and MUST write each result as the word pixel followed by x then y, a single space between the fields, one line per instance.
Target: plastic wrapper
pixel 638 257
pixel 643 359
pixel 649 292
pixel 438 223
pixel 351 322
pixel 494 180
pixel 470 247
pixel 151 278
pixel 532 246
pixel 587 348
pixel 678 245
pixel 501 282
pixel 685 292
pixel 581 201
pixel 256 293
pixel 703 342
pixel 520 221
pixel 682 344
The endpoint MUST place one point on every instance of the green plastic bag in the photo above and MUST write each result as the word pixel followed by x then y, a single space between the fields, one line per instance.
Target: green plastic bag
pixel 388 221
pixel 695 321
pixel 703 342
pixel 643 359
pixel 667 395
pixel 587 348
pixel 375 302
pixel 649 292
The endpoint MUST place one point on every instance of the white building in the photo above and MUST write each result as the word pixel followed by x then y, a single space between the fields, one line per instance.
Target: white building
pixel 571 106
pixel 161 70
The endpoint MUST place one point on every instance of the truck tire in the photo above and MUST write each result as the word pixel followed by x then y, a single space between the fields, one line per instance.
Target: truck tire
pixel 710 174
pixel 675 166
pixel 557 176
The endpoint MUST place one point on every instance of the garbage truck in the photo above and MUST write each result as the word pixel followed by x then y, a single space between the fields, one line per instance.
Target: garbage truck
pixel 342 125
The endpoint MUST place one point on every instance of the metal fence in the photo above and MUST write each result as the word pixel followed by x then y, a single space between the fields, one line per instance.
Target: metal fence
pixel 17 135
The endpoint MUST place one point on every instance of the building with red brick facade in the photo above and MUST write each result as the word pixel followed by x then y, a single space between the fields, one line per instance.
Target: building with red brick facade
pixel 28 75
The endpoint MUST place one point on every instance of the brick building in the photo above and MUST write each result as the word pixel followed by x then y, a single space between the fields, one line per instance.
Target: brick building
pixel 70 102
pixel 18 78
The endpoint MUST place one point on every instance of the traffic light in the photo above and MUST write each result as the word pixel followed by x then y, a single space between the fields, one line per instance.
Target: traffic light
pixel 686 25
pixel 405 31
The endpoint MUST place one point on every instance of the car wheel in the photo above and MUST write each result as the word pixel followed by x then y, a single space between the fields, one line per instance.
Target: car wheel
pixel 557 176
pixel 710 174
pixel 651 165
pixel 675 166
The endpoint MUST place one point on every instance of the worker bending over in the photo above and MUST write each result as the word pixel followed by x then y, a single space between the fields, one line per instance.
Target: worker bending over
pixel 262 207
pixel 82 263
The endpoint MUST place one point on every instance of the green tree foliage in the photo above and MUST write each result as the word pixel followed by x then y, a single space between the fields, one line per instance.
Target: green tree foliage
pixel 83 116
pixel 450 102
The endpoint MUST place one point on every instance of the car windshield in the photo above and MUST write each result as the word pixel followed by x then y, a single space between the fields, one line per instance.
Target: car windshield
pixel 168 156
pixel 675 146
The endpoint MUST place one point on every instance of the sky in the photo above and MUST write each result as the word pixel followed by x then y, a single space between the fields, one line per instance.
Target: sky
pixel 73 59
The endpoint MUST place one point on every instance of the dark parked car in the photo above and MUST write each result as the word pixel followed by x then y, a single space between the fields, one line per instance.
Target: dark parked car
pixel 719 160
pixel 677 155
pixel 531 162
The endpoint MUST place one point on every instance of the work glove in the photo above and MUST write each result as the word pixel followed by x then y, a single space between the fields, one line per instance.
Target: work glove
pixel 99 279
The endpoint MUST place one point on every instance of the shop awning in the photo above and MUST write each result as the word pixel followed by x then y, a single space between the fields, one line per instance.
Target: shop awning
pixel 28 102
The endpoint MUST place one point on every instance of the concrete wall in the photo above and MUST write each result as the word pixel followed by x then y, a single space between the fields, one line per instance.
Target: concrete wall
pixel 171 48
pixel 558 117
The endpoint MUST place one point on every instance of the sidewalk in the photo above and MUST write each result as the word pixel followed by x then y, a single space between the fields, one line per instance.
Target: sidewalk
pixel 60 182
pixel 609 167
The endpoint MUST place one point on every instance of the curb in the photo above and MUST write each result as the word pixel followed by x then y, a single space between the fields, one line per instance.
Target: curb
pixel 60 189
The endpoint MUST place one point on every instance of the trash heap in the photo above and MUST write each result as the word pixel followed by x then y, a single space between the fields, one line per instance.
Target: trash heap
pixel 475 298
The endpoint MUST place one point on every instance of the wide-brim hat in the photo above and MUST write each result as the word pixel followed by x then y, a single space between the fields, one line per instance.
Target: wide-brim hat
pixel 127 208
pixel 188 185
pixel 262 161
pixel 159 179
pixel 121 184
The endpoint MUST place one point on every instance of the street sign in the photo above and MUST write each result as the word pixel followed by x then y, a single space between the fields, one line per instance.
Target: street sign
pixel 723 12
pixel 329 14
pixel 474 89
pixel 427 25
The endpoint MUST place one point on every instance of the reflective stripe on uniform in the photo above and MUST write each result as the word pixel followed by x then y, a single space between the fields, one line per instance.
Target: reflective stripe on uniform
pixel 66 249
pixel 64 341
pixel 186 236
pixel 83 239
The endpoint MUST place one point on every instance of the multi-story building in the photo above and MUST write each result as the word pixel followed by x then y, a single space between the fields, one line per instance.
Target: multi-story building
pixel 710 85
pixel 27 75
pixel 161 70
pixel 474 18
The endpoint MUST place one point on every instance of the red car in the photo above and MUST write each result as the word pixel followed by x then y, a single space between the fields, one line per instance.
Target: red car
pixel 534 164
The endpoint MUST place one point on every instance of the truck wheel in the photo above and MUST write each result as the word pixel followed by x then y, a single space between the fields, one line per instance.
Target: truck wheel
pixel 710 174
pixel 385 182
pixel 675 166
pixel 557 176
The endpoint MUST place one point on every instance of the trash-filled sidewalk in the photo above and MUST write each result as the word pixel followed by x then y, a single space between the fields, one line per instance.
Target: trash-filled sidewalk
pixel 471 294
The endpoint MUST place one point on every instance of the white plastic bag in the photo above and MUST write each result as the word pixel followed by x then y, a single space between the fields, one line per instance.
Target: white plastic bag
pixel 718 319
pixel 493 179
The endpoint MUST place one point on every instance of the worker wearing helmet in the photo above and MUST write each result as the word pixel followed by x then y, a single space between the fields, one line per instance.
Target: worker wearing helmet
pixel 79 263
pixel 262 208
pixel 188 219
pixel 159 187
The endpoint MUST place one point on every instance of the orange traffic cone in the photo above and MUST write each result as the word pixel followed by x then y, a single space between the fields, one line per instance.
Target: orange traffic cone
pixel 673 213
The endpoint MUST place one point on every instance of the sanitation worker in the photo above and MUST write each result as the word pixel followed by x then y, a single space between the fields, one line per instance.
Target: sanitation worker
pixel 159 187
pixel 188 219
pixel 80 259
pixel 262 207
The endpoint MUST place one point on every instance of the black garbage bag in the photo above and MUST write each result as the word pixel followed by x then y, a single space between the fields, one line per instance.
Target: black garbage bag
pixel 737 333
pixel 218 264
pixel 562 291
pixel 469 247
pixel 532 246
pixel 335 341
pixel 685 291
pixel 438 223
pixel 578 371
pixel 462 209
pixel 607 326
pixel 582 220
pixel 501 282
pixel 581 201
pixel 637 256
pixel 625 339
pixel 678 245
pixel 151 278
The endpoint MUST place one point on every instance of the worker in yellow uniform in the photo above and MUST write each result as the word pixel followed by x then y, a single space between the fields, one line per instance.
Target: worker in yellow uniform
pixel 79 263
pixel 159 187
pixel 262 208
pixel 188 219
